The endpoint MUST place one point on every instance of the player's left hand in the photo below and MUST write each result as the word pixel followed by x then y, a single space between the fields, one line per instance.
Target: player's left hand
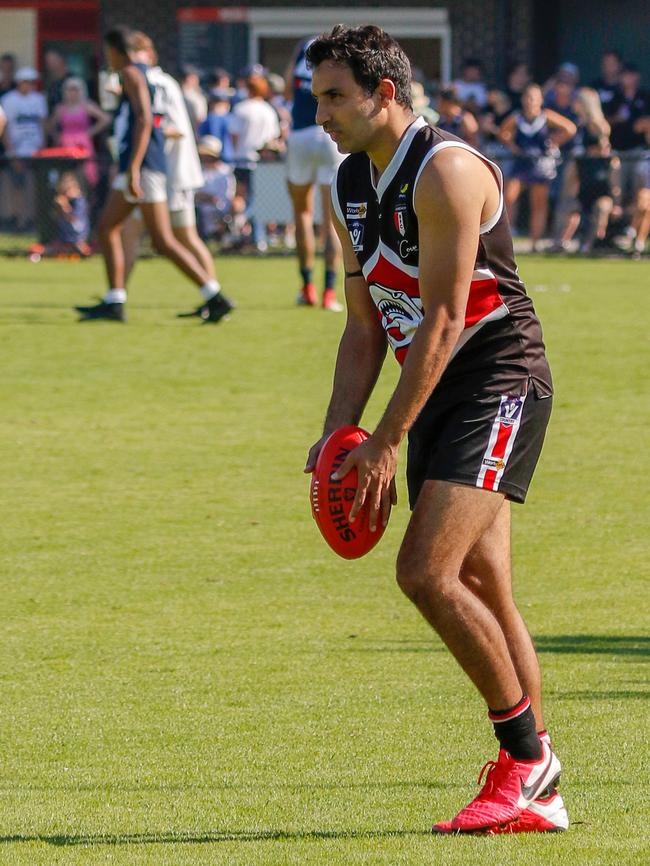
pixel 133 179
pixel 376 465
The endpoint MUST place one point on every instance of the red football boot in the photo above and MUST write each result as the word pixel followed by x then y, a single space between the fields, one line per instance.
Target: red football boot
pixel 510 787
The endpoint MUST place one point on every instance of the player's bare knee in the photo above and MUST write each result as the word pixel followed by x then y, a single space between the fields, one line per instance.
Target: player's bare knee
pixel 413 578
pixel 164 244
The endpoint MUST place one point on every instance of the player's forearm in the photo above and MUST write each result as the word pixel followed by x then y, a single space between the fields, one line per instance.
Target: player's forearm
pixel 359 361
pixel 141 137
pixel 428 355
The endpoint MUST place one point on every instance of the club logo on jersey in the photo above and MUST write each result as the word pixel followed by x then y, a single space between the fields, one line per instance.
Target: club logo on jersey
pixel 510 410
pixel 399 218
pixel 356 210
pixel 400 314
pixel 356 230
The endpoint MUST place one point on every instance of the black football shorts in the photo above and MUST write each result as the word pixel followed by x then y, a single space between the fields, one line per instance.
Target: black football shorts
pixel 492 441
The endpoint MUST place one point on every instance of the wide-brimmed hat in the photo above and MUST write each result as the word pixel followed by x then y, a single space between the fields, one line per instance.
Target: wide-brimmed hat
pixel 210 145
pixel 26 73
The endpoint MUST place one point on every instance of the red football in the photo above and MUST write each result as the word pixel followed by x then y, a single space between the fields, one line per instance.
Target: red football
pixel 331 501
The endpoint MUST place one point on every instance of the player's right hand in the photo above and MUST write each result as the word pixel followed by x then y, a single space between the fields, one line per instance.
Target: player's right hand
pixel 314 451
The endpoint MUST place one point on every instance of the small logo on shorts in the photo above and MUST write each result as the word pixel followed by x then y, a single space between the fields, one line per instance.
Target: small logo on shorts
pixel 493 463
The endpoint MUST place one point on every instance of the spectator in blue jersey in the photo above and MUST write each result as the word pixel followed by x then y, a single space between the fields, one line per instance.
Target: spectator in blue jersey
pixel 219 122
pixel 454 118
pixel 141 182
pixel 312 160
pixel 534 135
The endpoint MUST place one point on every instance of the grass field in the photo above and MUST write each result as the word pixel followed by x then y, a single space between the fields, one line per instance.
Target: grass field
pixel 189 676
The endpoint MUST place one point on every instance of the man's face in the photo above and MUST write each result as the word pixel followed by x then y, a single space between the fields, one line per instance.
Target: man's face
pixel 25 87
pixel 345 111
pixel 610 65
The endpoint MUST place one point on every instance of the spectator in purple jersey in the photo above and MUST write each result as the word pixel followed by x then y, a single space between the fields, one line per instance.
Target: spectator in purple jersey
pixel 534 135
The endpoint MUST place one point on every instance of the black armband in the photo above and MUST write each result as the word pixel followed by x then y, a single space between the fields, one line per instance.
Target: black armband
pixel 354 274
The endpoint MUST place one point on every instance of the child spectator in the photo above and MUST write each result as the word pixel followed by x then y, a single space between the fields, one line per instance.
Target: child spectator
pixel 72 223
pixel 215 201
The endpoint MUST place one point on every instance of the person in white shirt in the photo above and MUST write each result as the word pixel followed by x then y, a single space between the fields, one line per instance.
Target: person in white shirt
pixel 26 111
pixel 470 87
pixel 184 173
pixel 255 125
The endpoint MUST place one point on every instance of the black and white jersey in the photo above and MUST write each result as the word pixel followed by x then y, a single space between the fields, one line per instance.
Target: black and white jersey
pixel 501 346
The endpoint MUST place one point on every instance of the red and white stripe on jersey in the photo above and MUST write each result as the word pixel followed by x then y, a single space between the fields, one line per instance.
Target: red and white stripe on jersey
pixel 395 289
pixel 394 285
pixel 502 439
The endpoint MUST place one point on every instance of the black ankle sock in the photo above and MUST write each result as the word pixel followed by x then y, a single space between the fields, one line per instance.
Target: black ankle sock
pixel 516 732
pixel 307 275
pixel 330 279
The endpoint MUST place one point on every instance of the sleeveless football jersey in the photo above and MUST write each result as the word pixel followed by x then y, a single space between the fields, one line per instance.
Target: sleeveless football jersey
pixel 501 347
pixel 154 158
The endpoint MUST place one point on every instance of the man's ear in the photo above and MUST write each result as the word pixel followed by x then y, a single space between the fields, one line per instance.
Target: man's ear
pixel 387 90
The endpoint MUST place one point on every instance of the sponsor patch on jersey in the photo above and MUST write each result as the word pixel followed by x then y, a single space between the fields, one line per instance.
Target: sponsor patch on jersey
pixel 406 249
pixel 356 230
pixel 356 210
pixel 494 463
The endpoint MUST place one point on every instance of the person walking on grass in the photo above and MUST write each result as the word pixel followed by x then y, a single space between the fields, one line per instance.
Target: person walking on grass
pixel 141 182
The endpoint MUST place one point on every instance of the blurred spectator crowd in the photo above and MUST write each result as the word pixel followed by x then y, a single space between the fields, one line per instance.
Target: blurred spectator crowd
pixel 575 156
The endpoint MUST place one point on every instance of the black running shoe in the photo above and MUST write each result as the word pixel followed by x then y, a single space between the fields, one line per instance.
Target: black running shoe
pixel 217 308
pixel 102 310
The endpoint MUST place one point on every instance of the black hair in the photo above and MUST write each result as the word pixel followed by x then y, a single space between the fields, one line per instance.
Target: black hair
pixel 472 63
pixel 370 53
pixel 119 38
pixel 449 94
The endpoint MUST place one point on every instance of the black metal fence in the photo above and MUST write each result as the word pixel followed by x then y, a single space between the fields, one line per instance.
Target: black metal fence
pixel 51 204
